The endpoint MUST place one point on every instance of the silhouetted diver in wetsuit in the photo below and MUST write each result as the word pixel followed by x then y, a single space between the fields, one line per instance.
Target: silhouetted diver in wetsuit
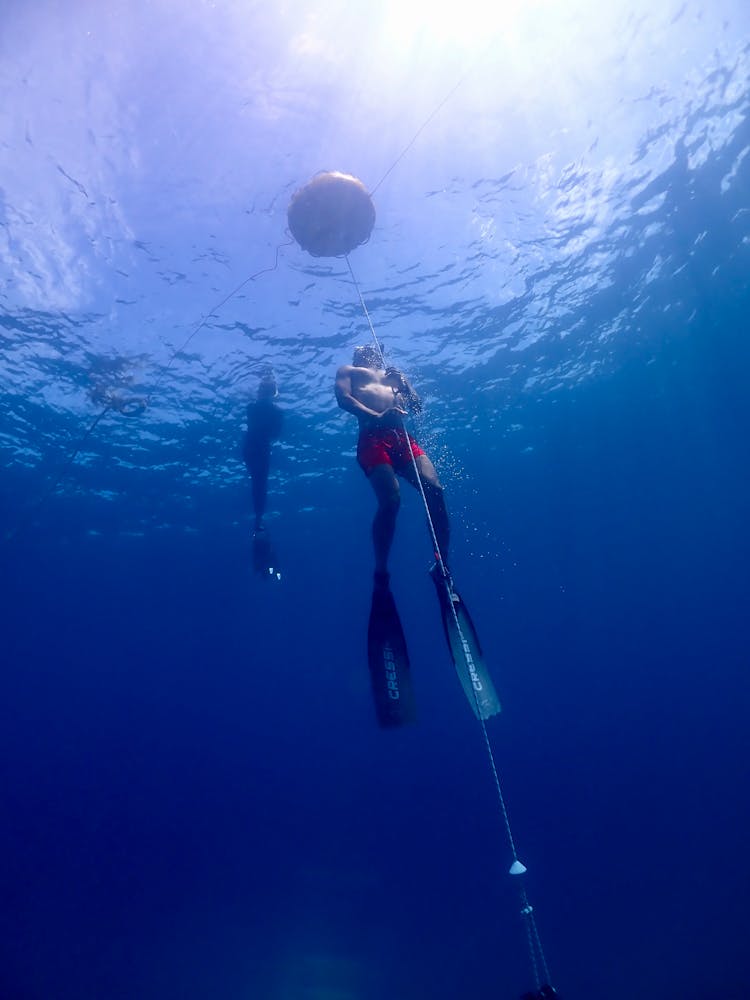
pixel 264 422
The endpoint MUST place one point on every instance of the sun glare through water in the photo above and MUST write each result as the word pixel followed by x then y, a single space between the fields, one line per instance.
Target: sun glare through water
pixel 470 25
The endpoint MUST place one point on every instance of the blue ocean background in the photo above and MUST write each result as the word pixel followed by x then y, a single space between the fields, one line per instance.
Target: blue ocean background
pixel 195 799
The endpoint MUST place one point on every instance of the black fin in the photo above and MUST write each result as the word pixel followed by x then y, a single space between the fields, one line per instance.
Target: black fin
pixel 388 659
pixel 466 652
pixel 265 562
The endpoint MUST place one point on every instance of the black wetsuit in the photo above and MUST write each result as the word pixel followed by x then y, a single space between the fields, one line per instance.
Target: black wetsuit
pixel 264 420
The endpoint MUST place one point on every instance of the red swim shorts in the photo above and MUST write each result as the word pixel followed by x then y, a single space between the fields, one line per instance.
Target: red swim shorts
pixel 385 446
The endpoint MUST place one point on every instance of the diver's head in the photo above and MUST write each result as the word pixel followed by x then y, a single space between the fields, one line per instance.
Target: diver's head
pixel 367 356
pixel 267 388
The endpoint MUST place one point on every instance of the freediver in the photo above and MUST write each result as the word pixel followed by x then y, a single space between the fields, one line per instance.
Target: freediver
pixel 380 398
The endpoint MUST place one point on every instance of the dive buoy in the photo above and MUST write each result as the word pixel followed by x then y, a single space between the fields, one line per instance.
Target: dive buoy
pixel 331 215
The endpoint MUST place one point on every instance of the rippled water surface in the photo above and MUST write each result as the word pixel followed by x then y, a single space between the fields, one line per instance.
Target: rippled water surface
pixel 557 208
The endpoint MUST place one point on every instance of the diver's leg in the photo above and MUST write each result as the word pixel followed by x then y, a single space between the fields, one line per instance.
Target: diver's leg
pixel 385 484
pixel 433 491
pixel 258 463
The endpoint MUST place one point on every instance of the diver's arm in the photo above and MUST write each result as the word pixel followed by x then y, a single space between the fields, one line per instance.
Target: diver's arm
pixel 344 397
pixel 405 389
pixel 276 422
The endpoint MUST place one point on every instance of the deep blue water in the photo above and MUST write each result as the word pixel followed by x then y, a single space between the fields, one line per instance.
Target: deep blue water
pixel 195 800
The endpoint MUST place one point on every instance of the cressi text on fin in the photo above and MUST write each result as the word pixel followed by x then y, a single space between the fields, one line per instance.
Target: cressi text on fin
pixel 388 660
pixel 466 652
